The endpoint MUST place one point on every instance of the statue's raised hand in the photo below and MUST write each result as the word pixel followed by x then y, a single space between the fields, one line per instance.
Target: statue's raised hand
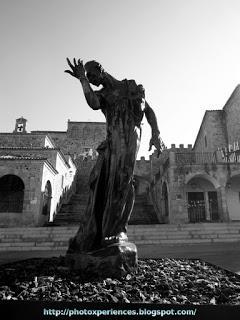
pixel 77 69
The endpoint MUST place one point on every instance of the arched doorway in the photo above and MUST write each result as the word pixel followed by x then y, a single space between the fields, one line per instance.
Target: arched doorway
pixel 202 200
pixel 233 197
pixel 165 200
pixel 47 197
pixel 11 193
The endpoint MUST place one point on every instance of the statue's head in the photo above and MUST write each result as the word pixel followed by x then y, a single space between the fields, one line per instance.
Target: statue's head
pixel 94 72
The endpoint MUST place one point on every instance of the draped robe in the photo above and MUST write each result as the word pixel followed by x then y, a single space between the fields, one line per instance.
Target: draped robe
pixel 111 196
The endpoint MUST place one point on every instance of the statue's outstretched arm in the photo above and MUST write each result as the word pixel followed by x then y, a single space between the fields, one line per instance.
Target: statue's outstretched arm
pixel 152 120
pixel 78 71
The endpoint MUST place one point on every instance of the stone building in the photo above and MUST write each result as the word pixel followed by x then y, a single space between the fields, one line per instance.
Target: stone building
pixel 202 183
pixel 80 140
pixel 35 176
pixel 44 175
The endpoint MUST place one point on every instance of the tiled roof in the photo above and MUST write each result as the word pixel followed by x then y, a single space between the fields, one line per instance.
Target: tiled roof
pixel 27 148
pixel 46 131
pixel 13 157
pixel 88 122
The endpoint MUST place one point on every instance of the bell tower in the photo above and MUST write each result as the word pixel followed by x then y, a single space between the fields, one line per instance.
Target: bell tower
pixel 20 126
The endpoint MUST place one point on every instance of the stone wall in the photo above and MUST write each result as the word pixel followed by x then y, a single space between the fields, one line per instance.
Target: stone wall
pixel 178 176
pixel 212 133
pixel 143 168
pixel 78 137
pixel 26 140
pixel 232 111
pixel 83 135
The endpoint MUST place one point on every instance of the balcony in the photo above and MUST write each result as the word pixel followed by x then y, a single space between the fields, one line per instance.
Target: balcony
pixel 189 158
pixel 201 158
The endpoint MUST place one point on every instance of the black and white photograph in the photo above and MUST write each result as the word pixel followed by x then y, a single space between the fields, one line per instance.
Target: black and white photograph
pixel 119 159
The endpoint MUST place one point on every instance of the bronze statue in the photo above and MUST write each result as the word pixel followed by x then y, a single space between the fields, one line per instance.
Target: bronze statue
pixel 111 196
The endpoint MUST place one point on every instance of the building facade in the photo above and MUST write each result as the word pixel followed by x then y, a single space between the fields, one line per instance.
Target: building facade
pixel 35 176
pixel 44 174
pixel 202 183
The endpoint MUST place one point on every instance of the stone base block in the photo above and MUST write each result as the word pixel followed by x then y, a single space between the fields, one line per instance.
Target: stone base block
pixel 113 261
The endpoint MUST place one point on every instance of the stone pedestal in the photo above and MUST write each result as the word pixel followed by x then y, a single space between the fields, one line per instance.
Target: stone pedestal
pixel 113 261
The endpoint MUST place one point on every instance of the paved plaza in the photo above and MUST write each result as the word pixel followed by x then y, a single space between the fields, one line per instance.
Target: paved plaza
pixel 224 255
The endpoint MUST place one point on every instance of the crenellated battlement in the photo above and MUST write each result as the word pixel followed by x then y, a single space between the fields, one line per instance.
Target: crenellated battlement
pixel 181 148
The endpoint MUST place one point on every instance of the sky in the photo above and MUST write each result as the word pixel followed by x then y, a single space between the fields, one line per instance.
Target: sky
pixel 185 53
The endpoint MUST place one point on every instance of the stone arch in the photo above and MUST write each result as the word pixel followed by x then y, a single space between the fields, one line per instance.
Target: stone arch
pixel 211 179
pixel 11 193
pixel 47 198
pixel 203 198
